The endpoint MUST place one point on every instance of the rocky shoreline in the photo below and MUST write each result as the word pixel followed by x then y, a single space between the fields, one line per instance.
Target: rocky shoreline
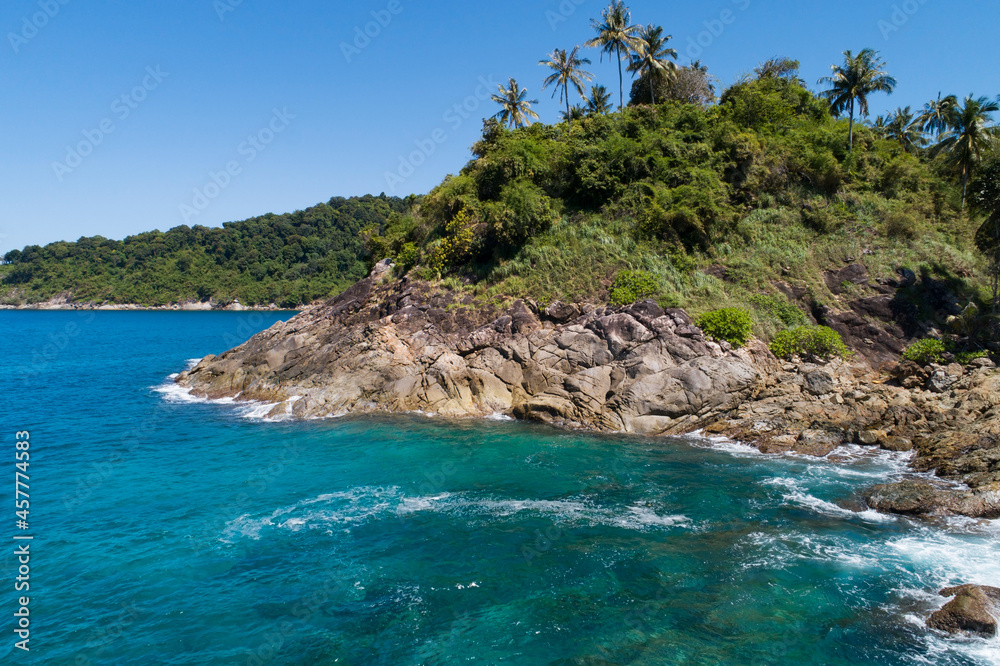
pixel 401 346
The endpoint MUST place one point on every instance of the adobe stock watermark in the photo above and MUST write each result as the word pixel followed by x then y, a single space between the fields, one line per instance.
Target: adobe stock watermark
pixel 249 150
pixel 31 26
pixel 566 9
pixel 121 108
pixel 901 15
pixel 223 7
pixel 714 29
pixel 364 35
pixel 454 117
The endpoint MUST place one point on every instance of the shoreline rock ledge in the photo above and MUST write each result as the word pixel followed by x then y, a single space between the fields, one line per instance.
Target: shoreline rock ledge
pixel 404 346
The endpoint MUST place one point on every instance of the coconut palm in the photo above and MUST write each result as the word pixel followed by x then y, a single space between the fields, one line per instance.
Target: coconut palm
pixel 651 57
pixel 515 107
pixel 616 37
pixel 971 134
pixel 938 114
pixel 880 126
pixel 599 102
pixel 575 112
pixel 567 72
pixel 904 128
pixel 852 83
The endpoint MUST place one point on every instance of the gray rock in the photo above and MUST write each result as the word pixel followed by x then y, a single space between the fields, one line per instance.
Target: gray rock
pixel 819 383
pixel 940 381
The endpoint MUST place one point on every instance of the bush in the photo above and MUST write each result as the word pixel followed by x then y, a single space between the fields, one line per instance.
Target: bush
pixel 819 341
pixel 522 212
pixel 408 257
pixel 632 286
pixel 965 358
pixel 780 309
pixel 925 351
pixel 733 325
pixel 900 225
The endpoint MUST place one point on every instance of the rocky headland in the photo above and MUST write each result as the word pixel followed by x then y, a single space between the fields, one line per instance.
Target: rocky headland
pixel 387 346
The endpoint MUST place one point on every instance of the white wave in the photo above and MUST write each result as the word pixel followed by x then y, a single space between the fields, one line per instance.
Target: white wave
pixel 346 509
pixel 797 495
pixel 249 409
pixel 724 444
pixel 174 392
pixel 498 416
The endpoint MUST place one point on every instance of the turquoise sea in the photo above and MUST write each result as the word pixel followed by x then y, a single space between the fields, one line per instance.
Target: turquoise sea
pixel 172 531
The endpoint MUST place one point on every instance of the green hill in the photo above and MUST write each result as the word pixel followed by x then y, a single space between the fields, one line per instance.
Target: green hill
pixel 725 205
pixel 284 259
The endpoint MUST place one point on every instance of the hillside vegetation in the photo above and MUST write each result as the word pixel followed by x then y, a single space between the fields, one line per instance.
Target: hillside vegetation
pixel 714 205
pixel 283 259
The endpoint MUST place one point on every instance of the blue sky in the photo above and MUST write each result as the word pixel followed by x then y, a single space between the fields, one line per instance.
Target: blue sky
pixel 220 110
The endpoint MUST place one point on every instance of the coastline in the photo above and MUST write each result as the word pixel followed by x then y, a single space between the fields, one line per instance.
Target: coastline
pixel 172 307
pixel 403 347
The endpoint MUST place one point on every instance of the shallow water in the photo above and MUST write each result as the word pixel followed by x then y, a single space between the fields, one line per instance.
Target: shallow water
pixel 179 532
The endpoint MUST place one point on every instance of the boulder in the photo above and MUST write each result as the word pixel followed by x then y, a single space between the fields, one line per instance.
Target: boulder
pixel 820 383
pixel 973 610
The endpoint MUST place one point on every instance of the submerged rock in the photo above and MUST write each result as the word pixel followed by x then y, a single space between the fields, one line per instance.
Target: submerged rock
pixel 972 611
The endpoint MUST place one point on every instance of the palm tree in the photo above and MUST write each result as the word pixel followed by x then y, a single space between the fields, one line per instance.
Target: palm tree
pixel 880 126
pixel 853 81
pixel 567 72
pixel 600 101
pixel 938 114
pixel 971 134
pixel 616 37
pixel 515 107
pixel 904 128
pixel 651 57
pixel 575 112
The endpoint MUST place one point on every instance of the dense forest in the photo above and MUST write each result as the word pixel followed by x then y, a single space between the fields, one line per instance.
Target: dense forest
pixel 288 260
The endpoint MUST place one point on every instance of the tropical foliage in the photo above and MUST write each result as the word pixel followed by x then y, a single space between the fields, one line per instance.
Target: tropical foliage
pixel 515 106
pixel 283 259
pixel 567 73
pixel 851 83
pixel 616 37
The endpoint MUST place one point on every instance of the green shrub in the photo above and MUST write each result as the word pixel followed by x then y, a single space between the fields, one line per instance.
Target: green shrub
pixel 522 212
pixel 965 358
pixel 733 325
pixel 925 351
pixel 819 341
pixel 780 309
pixel 900 225
pixel 632 286
pixel 408 257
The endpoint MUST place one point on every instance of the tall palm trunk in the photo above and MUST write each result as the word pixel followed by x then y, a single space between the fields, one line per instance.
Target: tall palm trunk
pixel 621 81
pixel 965 182
pixel 851 140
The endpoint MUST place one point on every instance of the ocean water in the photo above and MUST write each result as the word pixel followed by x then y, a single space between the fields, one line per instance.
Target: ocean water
pixel 172 531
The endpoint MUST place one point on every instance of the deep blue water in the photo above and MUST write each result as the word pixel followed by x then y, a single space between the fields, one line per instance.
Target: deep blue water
pixel 173 532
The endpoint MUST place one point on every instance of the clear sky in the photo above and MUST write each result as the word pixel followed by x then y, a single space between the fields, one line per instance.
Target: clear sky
pixel 221 110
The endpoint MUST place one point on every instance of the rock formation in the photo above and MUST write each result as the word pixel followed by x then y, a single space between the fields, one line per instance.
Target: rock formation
pixel 971 611
pixel 401 346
